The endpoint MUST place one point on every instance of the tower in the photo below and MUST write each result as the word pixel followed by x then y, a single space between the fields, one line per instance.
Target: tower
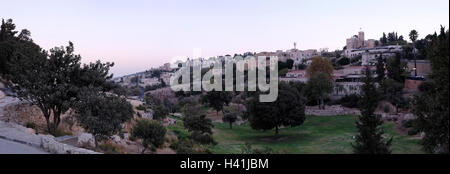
pixel 361 39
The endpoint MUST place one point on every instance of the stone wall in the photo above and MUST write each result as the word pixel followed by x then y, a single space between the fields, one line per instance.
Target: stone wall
pixel 334 110
pixel 49 144
pixel 24 113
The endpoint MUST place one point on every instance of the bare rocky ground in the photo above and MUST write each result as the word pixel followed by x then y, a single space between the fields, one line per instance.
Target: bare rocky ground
pixel 15 114
pixel 13 132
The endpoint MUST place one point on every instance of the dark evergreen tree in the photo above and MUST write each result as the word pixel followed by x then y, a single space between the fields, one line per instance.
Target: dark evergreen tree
pixel 396 69
pixel 369 139
pixel 431 104
pixel 380 69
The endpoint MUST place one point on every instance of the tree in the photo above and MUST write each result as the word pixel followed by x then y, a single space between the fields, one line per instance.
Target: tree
pixel 287 110
pixel 369 139
pixel 101 114
pixel 396 69
pixel 7 30
pixel 318 87
pixel 413 35
pixel 160 112
pixel 12 44
pixel 393 92
pixel 431 104
pixel 320 64
pixel 217 99
pixel 383 39
pixel 52 82
pixel 152 100
pixel 343 61
pixel 198 123
pixel 152 133
pixel 380 69
pixel 230 116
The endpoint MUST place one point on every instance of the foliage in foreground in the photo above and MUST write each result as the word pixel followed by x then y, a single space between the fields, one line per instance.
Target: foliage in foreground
pixel 369 139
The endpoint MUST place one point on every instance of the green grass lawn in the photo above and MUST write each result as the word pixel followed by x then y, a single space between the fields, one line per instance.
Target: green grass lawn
pixel 318 135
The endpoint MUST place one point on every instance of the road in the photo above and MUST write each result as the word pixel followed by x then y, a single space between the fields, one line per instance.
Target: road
pixel 10 147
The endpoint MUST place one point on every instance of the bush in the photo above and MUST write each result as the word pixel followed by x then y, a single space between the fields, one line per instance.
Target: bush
pixel 350 101
pixel 183 146
pixel 60 132
pixel 283 72
pixel 111 148
pixel 188 147
pixel 386 109
pixel 413 131
pixel 31 125
pixel 203 138
pixel 152 133
pixel 343 61
pixel 141 108
pixel 133 91
pixel 302 66
pixel 408 124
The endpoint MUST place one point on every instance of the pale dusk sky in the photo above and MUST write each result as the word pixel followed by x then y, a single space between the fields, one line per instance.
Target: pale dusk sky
pixel 140 34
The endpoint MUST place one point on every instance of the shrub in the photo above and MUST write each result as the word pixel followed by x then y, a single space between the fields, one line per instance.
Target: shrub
pixel 141 108
pixel 111 148
pixel 188 147
pixel 386 109
pixel 343 61
pixel 31 125
pixel 203 138
pixel 408 124
pixel 413 131
pixel 60 132
pixel 183 146
pixel 152 133
pixel 283 72
pixel 350 101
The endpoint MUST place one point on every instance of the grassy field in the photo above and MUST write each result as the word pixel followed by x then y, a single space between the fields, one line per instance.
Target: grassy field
pixel 318 135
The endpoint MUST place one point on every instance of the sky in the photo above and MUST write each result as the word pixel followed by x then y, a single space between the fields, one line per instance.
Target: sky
pixel 140 34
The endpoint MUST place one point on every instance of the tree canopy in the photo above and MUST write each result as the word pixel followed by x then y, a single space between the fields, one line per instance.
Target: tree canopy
pixel 320 64
pixel 152 133
pixel 318 88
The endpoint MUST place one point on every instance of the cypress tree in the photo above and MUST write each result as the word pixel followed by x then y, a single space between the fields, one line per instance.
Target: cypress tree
pixel 369 139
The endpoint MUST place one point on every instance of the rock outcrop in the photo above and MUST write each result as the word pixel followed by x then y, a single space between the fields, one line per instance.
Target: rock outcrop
pixel 49 144
pixel 86 139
